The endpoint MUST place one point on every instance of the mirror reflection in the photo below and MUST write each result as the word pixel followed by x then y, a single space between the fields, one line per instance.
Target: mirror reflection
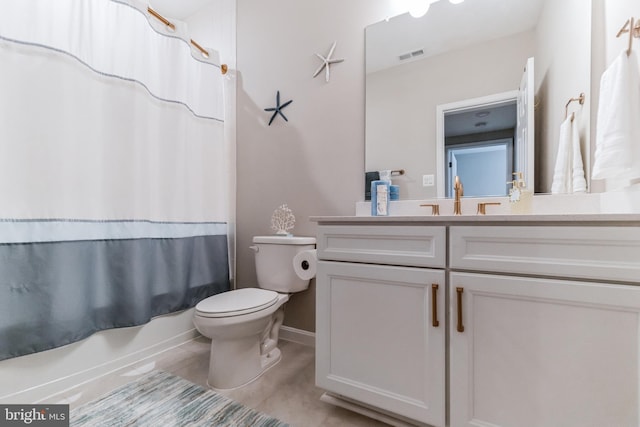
pixel 479 148
pixel 423 73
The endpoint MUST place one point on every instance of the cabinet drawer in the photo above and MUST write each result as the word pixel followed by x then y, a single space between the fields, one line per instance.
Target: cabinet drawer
pixel 417 246
pixel 599 253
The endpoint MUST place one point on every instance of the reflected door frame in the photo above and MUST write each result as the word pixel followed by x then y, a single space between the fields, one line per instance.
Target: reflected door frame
pixel 460 106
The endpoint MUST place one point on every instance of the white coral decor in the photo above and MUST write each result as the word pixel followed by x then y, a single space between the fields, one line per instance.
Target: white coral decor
pixel 282 220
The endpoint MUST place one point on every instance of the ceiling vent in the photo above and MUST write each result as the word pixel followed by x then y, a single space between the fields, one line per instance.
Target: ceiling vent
pixel 410 55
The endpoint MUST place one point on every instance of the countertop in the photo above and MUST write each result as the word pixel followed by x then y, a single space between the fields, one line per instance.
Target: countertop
pixel 631 219
pixel 620 208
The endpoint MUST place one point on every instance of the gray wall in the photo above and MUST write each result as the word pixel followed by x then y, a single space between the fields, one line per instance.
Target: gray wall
pixel 314 162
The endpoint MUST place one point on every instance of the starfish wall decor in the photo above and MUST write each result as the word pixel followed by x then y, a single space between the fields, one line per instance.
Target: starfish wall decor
pixel 326 62
pixel 278 109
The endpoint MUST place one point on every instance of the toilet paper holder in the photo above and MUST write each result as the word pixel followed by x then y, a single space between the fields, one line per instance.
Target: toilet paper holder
pixel 305 264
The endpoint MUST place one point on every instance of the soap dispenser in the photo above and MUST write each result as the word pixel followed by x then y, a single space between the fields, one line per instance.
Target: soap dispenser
pixel 520 198
pixel 381 194
pixel 380 198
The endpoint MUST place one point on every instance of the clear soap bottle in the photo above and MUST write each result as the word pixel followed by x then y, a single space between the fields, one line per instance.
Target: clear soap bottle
pixel 520 198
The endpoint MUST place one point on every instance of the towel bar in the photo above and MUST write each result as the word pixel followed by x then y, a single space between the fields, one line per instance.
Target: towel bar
pixel 580 100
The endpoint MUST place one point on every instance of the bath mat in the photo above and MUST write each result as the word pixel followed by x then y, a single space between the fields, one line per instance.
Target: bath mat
pixel 162 399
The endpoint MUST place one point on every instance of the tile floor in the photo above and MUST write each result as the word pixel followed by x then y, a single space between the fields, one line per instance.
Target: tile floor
pixel 287 391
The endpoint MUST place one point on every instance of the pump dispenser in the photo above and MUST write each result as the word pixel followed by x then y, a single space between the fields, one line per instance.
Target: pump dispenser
pixel 520 198
pixel 381 194
pixel 380 198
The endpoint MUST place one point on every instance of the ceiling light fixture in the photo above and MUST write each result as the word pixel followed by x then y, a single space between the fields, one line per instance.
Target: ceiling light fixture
pixel 419 8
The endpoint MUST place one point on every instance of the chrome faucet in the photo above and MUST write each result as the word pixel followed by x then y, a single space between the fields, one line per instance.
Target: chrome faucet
pixel 457 187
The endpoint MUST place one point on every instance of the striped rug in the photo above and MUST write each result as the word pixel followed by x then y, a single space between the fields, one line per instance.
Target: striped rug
pixel 161 399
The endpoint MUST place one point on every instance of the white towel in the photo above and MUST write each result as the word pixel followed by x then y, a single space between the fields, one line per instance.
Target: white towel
pixel 578 181
pixel 617 154
pixel 568 175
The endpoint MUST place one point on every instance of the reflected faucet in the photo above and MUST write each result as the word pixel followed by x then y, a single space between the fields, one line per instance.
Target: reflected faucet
pixel 457 187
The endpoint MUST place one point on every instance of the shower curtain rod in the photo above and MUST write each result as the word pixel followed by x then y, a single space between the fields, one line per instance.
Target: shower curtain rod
pixel 165 21
pixel 161 18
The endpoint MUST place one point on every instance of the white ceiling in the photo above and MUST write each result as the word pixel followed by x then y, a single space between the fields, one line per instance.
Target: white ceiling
pixel 446 27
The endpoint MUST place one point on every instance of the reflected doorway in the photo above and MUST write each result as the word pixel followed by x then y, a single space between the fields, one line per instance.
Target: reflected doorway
pixel 482 119
pixel 484 167
pixel 479 148
pixel 475 123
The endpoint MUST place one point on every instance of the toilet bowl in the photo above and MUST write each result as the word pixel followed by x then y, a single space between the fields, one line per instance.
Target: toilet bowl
pixel 244 324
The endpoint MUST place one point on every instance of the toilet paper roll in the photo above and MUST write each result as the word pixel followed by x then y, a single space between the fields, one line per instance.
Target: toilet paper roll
pixel 305 264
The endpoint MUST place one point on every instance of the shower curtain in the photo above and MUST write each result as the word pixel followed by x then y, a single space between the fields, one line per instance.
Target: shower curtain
pixel 114 171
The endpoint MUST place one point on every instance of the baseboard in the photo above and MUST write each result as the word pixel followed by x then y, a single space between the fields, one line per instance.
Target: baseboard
pixel 299 336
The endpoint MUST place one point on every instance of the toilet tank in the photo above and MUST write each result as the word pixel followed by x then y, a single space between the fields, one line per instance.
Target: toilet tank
pixel 274 262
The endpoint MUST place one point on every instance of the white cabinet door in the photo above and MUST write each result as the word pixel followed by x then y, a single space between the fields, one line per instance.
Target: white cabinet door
pixel 379 340
pixel 540 352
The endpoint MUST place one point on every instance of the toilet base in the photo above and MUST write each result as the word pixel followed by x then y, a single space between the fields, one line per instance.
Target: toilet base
pixel 267 362
pixel 270 359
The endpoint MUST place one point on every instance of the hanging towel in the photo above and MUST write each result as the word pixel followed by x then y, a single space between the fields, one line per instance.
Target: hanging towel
pixel 617 152
pixel 578 181
pixel 568 175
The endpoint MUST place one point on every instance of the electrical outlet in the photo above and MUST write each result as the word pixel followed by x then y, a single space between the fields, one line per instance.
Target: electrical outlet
pixel 428 181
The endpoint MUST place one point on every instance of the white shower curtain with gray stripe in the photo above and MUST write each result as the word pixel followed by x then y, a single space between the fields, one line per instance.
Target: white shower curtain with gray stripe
pixel 114 171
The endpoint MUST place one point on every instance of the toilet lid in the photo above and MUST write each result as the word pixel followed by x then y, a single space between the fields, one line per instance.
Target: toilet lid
pixel 236 303
pixel 285 240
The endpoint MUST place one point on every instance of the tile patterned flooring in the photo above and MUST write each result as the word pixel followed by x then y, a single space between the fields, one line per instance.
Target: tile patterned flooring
pixel 287 391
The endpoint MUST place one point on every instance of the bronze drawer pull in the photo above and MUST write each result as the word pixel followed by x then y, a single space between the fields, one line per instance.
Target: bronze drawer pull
pixel 460 327
pixel 434 305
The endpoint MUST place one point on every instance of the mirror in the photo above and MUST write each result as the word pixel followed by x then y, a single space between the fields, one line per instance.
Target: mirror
pixel 417 68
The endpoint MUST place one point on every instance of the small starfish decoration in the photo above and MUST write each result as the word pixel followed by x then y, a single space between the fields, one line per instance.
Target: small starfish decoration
pixel 278 109
pixel 326 62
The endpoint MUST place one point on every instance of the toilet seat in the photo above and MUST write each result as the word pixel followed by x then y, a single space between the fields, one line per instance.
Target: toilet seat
pixel 236 302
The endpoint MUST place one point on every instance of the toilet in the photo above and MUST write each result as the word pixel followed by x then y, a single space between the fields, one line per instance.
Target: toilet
pixel 243 324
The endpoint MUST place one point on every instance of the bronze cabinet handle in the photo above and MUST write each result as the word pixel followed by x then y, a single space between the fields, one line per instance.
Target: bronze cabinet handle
pixel 434 305
pixel 460 327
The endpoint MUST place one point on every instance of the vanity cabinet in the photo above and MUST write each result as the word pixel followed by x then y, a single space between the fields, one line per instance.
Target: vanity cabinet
pixel 532 346
pixel 381 320
pixel 537 324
